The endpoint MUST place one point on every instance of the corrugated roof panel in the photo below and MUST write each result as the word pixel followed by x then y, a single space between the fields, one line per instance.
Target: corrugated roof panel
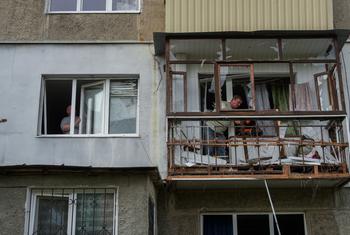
pixel 248 15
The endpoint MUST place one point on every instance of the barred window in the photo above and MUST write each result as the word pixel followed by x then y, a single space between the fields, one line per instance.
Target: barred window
pixel 78 211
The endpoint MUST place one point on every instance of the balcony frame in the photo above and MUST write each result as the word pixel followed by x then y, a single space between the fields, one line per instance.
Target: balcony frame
pixel 280 60
pixel 285 172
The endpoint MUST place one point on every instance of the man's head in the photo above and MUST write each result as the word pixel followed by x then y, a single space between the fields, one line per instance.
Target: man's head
pixel 68 109
pixel 236 102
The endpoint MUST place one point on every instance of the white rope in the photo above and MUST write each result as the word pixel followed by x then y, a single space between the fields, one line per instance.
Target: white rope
pixel 273 209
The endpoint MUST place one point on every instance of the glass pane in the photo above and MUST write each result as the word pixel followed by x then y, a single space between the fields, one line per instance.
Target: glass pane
pixel 253 224
pixel 94 213
pixel 196 49
pixel 51 216
pixel 178 85
pixel 324 95
pixel 125 5
pixel 63 5
pixel 94 5
pixel 251 49
pixel 123 107
pixel 316 48
pixel 92 112
pixel 236 83
pixel 290 224
pixel 217 224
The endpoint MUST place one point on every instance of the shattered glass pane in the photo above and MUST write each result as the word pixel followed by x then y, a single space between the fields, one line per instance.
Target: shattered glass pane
pixel 125 5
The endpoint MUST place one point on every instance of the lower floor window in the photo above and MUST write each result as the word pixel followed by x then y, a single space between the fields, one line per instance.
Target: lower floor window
pixel 72 211
pixel 247 224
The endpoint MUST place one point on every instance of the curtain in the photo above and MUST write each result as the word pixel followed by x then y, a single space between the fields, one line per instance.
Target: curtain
pixel 280 96
pixel 303 98
pixel 282 102
pixel 263 103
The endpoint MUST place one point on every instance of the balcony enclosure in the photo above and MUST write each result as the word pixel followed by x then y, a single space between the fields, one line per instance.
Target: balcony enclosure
pixel 289 117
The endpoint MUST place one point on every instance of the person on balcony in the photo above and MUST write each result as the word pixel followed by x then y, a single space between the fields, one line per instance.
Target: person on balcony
pixel 217 129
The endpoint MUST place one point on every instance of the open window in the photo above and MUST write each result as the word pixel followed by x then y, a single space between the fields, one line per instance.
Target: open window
pixel 239 82
pixel 89 106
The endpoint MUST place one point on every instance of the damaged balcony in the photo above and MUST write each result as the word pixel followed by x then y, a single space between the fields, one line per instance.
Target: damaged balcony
pixel 259 105
pixel 258 148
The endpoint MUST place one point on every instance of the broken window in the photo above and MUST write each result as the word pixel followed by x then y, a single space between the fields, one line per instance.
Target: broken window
pixel 252 49
pixel 72 211
pixel 239 82
pixel 313 88
pixel 196 49
pixel 315 48
pixel 89 106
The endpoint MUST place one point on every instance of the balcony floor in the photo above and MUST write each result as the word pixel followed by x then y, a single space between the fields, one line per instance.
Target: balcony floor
pixel 336 175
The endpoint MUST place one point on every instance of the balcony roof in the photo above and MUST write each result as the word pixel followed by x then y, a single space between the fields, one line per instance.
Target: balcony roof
pixel 160 37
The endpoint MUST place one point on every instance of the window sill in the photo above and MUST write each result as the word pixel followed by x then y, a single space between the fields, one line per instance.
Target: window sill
pixel 89 136
pixel 92 12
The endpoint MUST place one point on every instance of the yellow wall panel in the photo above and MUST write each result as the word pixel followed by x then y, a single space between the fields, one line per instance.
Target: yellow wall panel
pixel 248 15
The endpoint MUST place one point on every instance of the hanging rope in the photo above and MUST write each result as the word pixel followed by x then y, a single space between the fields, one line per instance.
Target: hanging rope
pixel 273 209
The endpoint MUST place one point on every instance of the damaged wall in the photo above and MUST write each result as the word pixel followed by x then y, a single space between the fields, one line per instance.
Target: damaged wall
pixel 326 211
pixel 133 193
pixel 27 20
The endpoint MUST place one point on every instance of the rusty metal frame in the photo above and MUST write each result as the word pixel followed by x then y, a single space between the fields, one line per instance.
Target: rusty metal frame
pixel 184 75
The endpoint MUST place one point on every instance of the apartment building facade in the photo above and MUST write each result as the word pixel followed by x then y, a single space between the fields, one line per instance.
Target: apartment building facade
pixel 93 60
pixel 229 172
pixel 108 123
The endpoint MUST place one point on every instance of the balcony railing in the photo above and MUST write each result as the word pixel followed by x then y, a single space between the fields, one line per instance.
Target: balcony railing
pixel 270 148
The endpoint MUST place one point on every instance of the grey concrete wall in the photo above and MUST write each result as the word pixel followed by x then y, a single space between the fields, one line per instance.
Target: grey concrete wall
pixel 341 9
pixel 21 69
pixel 133 193
pixel 326 212
pixel 27 20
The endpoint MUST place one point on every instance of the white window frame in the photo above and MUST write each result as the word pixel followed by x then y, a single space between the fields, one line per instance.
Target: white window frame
pixel 79 10
pixel 106 108
pixel 31 206
pixel 234 218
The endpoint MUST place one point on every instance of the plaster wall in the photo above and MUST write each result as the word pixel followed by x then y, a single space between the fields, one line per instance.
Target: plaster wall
pixel 27 20
pixel 341 15
pixel 133 193
pixel 21 69
pixel 326 211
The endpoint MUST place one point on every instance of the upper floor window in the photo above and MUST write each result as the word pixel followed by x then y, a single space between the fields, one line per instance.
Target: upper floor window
pixel 94 6
pixel 89 106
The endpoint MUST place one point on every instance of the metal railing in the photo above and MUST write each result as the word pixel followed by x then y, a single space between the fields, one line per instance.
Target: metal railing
pixel 247 143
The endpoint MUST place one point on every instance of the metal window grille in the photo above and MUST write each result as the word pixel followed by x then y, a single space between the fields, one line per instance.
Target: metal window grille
pixel 72 211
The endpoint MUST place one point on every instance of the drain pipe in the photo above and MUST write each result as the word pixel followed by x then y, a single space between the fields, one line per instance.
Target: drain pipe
pixel 273 209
